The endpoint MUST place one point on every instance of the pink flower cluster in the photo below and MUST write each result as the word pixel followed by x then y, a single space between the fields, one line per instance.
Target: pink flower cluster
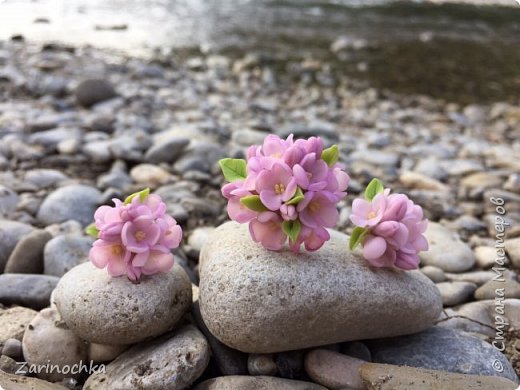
pixel 135 237
pixel 289 188
pixel 393 230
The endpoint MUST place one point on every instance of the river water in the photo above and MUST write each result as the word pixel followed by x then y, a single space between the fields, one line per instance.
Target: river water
pixel 454 51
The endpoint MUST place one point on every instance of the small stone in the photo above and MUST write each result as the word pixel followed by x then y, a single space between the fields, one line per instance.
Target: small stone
pixel 102 353
pixel 167 151
pixel 513 250
pixel 470 317
pixel 505 283
pixel 446 250
pixel 238 382
pixel 77 202
pixel 28 290
pixel 256 311
pixel 148 174
pixel 48 340
pixel 389 377
pixel 8 201
pixel 416 180
pixel 455 293
pixel 27 256
pixel 477 277
pixel 13 322
pixel 107 310
pixel 10 233
pixel 92 91
pixel 444 349
pixel 171 362
pixel 485 256
pixel 64 252
pixel 8 364
pixel 261 364
pixel 43 178
pixel 13 349
pixel 199 236
pixel 17 382
pixel 435 274
pixel 333 370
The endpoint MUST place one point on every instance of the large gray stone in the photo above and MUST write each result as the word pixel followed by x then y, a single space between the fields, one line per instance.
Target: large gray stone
pixel 171 362
pixel 239 382
pixel 10 233
pixel 446 250
pixel 444 349
pixel 30 290
pixel 77 202
pixel 261 301
pixel 64 252
pixel 107 310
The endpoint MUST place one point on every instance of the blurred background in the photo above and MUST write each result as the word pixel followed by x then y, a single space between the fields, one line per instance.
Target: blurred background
pixel 464 52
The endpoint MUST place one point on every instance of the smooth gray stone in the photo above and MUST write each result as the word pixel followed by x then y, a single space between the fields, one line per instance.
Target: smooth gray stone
pixel 27 290
pixel 10 233
pixel 27 256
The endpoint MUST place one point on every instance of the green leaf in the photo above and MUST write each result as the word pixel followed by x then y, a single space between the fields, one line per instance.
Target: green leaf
pixel 141 194
pixel 254 203
pixel 374 187
pixel 330 155
pixel 92 230
pixel 292 229
pixel 358 235
pixel 233 169
pixel 297 198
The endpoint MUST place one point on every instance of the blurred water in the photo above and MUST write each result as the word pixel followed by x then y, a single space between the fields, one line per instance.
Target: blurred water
pixel 441 49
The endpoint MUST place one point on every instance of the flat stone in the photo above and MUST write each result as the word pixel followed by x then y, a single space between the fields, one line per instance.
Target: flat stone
pixel 446 250
pixel 261 301
pixel 27 256
pixel 64 252
pixel 333 370
pixel 92 91
pixel 17 382
pixel 13 322
pixel 417 180
pixel 477 277
pixel 435 274
pixel 507 284
pixel 472 317
pixel 486 256
pixel 77 202
pixel 148 174
pixel 455 293
pixel 107 310
pixel 171 362
pixel 48 340
pixel 10 233
pixel 388 377
pixel 439 348
pixel 238 382
pixel 30 290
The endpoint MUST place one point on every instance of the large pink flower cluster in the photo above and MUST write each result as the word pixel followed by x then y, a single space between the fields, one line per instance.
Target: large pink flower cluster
pixel 287 188
pixel 135 237
pixel 390 228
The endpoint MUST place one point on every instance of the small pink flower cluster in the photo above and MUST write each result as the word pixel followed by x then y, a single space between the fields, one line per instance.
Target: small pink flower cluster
pixel 286 189
pixel 134 237
pixel 390 228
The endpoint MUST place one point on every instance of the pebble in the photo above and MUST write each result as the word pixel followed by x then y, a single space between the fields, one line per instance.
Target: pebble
pixel 505 283
pixel 443 349
pixel 8 201
pixel 199 236
pixel 150 175
pixel 13 349
pixel 92 91
pixel 27 256
pixel 30 290
pixel 455 293
pixel 238 382
pixel 8 364
pixel 333 370
pixel 10 233
pixel 167 151
pixel 13 322
pixel 64 252
pixel 472 317
pixel 106 310
pixel 48 340
pixel 264 312
pixel 44 178
pixel 446 250
pixel 76 202
pixel 513 251
pixel 485 256
pixel 389 377
pixel 435 274
pixel 171 362
pixel 102 353
pixel 476 277
pixel 17 382
pixel 419 181
pixel 261 364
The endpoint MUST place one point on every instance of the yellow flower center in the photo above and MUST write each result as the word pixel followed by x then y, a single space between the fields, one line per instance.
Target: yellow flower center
pixel 279 189
pixel 117 250
pixel 372 214
pixel 314 207
pixel 139 235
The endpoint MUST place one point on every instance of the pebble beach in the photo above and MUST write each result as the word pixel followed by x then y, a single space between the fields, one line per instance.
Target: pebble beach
pixel 80 126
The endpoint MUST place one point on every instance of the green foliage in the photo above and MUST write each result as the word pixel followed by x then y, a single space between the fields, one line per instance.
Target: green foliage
pixel 233 169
